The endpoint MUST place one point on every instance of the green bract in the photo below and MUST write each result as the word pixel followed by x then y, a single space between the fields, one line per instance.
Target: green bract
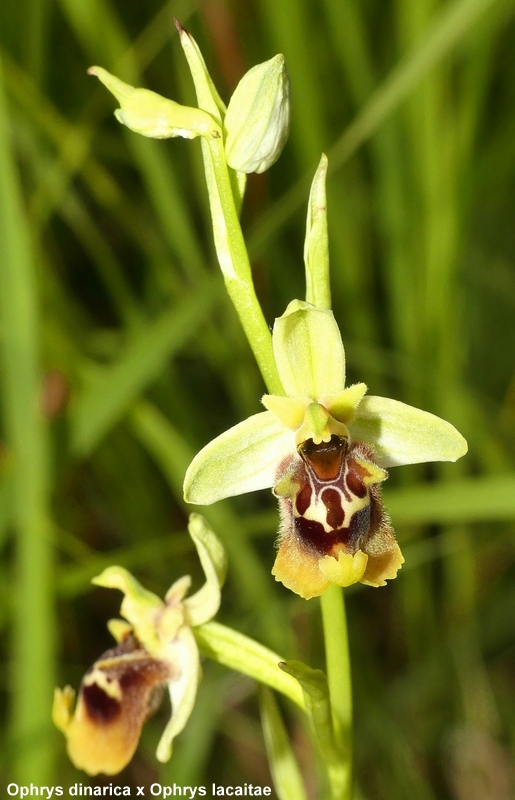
pixel 317 416
pixel 156 647
pixel 316 244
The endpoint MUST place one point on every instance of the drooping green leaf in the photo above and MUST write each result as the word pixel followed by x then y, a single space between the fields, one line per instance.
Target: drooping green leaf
pixel 318 709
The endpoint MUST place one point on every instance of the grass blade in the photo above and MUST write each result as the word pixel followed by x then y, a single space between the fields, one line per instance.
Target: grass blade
pixel 283 764
pixel 33 624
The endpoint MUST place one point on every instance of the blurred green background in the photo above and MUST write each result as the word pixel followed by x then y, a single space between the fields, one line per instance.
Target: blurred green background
pixel 121 357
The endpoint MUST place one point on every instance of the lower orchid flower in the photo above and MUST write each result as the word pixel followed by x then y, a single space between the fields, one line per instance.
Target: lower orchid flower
pixel 155 648
pixel 324 450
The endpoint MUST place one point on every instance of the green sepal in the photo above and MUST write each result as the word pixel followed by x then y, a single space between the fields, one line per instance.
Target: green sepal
pixel 308 351
pixel 403 434
pixel 243 459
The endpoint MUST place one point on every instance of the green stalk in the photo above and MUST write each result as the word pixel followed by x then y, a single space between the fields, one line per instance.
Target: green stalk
pixel 234 261
pixel 318 292
pixel 339 674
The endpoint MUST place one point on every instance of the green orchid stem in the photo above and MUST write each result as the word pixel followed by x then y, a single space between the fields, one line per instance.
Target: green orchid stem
pixel 339 673
pixel 234 262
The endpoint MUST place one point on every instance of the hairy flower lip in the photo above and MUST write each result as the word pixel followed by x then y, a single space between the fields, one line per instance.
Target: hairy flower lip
pixel 333 526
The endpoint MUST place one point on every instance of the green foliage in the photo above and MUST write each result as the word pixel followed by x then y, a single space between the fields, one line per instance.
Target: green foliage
pixel 121 357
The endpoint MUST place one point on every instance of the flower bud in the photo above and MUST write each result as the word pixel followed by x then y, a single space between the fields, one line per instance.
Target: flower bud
pixel 257 122
pixel 155 116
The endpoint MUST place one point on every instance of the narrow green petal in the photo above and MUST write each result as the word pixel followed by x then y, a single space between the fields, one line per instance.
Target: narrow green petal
pixel 136 596
pixel 203 605
pixel 243 459
pixel 139 606
pixel 308 351
pixel 402 434
pixel 343 406
pixel 288 410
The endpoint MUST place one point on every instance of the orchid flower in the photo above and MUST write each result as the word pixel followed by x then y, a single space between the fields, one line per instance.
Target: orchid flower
pixel 324 450
pixel 155 648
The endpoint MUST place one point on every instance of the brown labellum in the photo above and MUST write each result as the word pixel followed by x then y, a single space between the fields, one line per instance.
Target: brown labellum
pixel 330 504
pixel 117 694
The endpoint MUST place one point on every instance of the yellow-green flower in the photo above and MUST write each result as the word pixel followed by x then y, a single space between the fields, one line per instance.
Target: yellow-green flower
pixel 324 449
pixel 155 649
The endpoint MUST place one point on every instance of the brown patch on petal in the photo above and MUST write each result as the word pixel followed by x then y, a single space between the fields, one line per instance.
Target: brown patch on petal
pixel 313 533
pixel 333 503
pixel 354 479
pixel 325 458
pixel 303 499
pixel 116 697
pixel 99 705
